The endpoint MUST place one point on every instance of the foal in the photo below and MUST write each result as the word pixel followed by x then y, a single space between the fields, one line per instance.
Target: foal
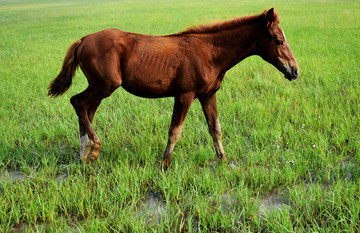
pixel 186 65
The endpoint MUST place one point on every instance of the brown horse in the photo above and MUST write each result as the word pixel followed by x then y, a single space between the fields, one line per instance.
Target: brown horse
pixel 187 65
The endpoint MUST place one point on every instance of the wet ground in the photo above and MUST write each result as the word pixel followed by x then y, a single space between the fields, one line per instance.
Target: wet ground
pixel 13 176
pixel 18 176
pixel 274 202
pixel 153 208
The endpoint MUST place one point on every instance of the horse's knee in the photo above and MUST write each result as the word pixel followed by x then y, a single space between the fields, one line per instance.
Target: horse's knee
pixel 75 102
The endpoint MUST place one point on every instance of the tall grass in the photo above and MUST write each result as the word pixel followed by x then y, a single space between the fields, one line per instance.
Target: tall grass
pixel 299 140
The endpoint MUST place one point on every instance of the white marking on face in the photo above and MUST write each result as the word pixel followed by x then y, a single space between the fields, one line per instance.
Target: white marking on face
pixel 283 34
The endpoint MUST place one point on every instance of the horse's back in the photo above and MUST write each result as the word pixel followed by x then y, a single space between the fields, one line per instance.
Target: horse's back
pixel 149 66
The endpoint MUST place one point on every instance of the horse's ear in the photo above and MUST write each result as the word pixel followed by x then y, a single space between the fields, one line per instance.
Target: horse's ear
pixel 270 17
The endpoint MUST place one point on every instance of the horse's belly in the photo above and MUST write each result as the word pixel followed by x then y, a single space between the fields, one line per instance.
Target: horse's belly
pixel 154 78
pixel 148 87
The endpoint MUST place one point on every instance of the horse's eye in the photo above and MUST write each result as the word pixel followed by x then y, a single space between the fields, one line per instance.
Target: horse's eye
pixel 279 42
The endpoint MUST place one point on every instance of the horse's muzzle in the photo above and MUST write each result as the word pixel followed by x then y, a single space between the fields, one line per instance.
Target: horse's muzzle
pixel 291 73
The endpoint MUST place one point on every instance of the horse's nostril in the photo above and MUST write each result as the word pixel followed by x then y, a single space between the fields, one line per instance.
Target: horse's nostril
pixel 296 72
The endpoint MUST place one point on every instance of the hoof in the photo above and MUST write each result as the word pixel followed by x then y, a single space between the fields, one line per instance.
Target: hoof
pixel 224 159
pixel 91 157
pixel 165 165
pixel 84 159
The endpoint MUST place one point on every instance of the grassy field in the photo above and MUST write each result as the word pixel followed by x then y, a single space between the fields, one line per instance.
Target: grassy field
pixel 293 146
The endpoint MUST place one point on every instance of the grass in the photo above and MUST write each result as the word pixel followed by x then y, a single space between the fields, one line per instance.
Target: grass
pixel 298 141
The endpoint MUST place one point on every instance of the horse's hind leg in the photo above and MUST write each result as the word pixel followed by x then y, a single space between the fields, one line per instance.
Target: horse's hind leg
pixel 84 138
pixel 83 103
pixel 104 77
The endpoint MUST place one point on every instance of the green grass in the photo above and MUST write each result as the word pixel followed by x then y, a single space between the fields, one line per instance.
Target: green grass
pixel 299 140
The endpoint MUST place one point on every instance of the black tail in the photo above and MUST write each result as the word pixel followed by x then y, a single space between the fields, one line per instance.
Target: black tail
pixel 64 80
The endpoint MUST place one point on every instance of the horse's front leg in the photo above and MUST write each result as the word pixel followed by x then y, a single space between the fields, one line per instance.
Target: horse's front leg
pixel 181 107
pixel 210 110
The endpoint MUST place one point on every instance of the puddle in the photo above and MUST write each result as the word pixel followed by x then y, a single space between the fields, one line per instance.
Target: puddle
pixel 228 203
pixel 273 202
pixel 25 227
pixel 348 167
pixel 233 165
pixel 153 208
pixel 62 177
pixel 269 203
pixel 18 176
pixel 13 176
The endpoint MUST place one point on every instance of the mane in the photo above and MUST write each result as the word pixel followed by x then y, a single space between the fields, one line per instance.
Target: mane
pixel 228 24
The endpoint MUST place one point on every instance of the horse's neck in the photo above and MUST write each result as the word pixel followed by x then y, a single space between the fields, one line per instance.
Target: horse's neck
pixel 230 47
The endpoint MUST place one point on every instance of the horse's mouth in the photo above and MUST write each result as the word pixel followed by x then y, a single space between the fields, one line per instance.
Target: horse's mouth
pixel 290 77
pixel 291 73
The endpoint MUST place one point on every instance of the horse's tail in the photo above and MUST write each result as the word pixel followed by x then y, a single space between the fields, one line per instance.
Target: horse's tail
pixel 64 79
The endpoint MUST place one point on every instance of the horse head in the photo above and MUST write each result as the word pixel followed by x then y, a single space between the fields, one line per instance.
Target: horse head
pixel 274 48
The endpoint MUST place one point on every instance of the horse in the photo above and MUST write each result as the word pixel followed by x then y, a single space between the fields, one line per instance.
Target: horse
pixel 186 65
